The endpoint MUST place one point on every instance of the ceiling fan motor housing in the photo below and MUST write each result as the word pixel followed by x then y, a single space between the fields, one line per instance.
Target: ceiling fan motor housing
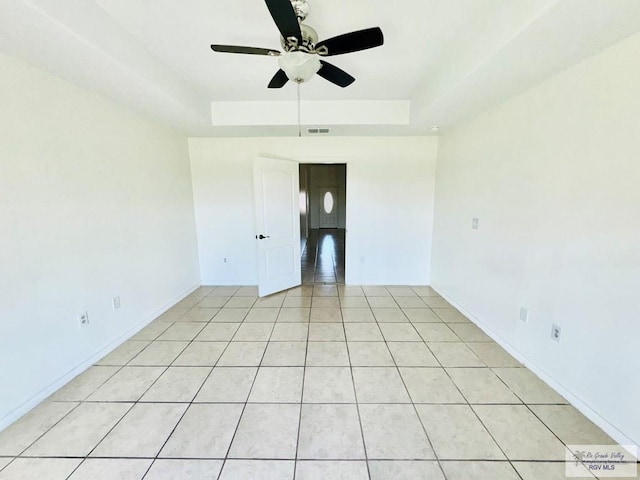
pixel 308 44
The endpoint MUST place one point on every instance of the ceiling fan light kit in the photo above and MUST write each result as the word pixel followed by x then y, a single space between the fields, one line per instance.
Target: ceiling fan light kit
pixel 299 66
pixel 303 52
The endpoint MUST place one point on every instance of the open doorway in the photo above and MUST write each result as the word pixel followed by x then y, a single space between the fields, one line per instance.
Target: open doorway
pixel 323 200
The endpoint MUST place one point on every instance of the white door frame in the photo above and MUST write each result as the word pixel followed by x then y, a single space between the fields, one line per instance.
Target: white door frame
pixel 348 191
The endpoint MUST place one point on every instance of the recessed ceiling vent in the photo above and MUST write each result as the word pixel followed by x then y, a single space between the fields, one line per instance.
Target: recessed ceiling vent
pixel 316 131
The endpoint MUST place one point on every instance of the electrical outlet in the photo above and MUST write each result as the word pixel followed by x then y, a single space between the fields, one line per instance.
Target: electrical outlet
pixel 524 315
pixel 225 260
pixel 83 319
pixel 116 302
pixel 474 223
pixel 555 332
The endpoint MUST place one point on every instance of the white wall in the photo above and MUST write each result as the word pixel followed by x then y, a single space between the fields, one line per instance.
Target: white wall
pixel 389 204
pixel 94 202
pixel 553 176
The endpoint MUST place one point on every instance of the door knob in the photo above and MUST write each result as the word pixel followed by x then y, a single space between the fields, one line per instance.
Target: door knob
pixel 262 237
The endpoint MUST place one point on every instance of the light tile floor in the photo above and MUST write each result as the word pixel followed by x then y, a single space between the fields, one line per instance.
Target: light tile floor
pixel 323 256
pixel 319 382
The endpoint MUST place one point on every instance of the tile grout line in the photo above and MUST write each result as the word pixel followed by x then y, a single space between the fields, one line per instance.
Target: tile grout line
pixel 522 403
pixel 446 460
pixel 415 410
pixel 84 399
pixel 547 427
pixel 235 432
pixel 190 404
pixel 100 386
pixel 136 402
pixel 150 386
pixel 269 341
pixel 304 374
pixel 80 402
pixel 355 396
pixel 468 404
pixel 85 457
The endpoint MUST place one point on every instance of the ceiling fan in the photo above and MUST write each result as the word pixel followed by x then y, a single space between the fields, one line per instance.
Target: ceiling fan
pixel 302 51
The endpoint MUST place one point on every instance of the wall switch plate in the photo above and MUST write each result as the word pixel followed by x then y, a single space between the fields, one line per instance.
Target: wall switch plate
pixel 83 319
pixel 116 302
pixel 555 332
pixel 474 223
pixel 524 315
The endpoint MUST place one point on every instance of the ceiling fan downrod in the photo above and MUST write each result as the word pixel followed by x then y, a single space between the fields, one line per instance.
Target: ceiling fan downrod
pixel 301 7
pixel 307 44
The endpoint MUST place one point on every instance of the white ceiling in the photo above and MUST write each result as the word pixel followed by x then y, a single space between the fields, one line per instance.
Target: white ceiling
pixel 450 59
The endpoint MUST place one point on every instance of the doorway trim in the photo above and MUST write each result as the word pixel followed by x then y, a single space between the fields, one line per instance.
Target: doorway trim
pixel 348 188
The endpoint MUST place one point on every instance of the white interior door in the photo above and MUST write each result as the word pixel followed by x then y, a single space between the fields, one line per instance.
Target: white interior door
pixel 328 207
pixel 276 187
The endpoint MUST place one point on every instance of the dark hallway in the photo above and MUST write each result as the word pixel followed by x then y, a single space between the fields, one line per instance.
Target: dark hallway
pixel 323 256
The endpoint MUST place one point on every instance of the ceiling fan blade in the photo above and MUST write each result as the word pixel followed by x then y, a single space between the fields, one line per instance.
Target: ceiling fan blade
pixel 351 42
pixel 285 17
pixel 335 75
pixel 247 50
pixel 279 79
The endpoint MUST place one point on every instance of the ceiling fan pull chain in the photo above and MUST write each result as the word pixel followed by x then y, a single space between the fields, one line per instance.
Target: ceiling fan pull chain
pixel 299 124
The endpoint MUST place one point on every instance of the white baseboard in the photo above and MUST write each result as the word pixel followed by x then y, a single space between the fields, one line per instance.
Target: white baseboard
pixel 28 405
pixel 579 403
